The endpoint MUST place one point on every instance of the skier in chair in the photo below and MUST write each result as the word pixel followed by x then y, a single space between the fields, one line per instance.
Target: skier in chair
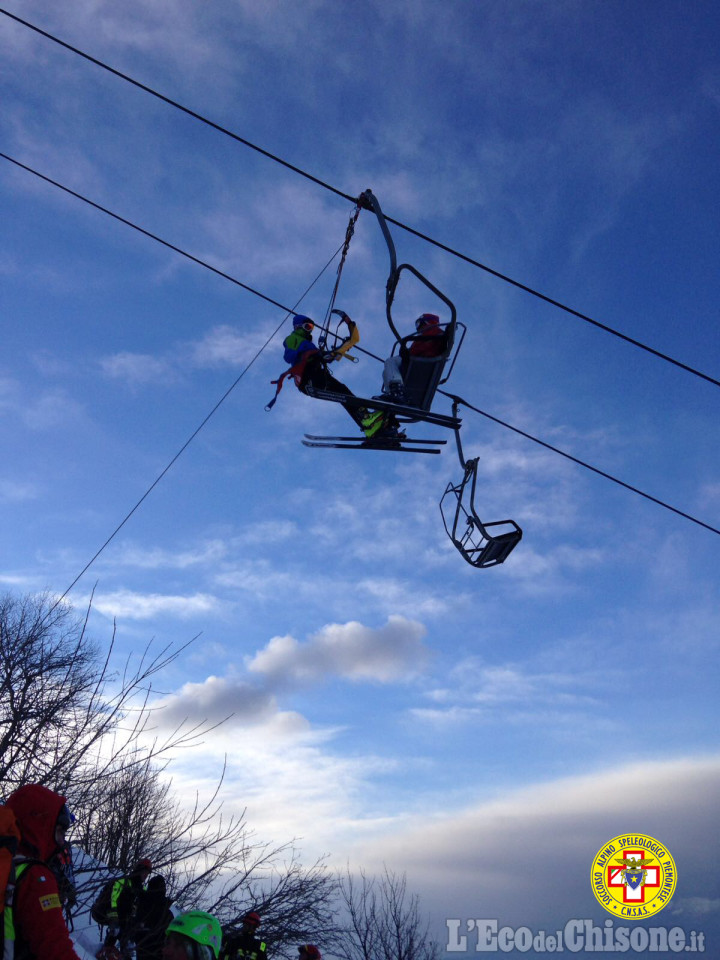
pixel 308 367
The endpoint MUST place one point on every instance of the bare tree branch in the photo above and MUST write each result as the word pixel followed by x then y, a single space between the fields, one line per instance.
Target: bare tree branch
pixel 69 721
pixel 383 920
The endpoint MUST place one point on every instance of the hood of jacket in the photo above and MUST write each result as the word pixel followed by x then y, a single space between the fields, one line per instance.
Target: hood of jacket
pixel 36 810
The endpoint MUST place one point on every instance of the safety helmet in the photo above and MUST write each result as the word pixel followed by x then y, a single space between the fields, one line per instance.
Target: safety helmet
pixel 310 951
pixel 305 322
pixel 142 865
pixel 200 927
pixel 427 320
pixel 253 918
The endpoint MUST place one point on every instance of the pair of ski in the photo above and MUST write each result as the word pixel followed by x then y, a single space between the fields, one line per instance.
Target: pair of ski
pixel 404 412
pixel 393 444
pixel 401 411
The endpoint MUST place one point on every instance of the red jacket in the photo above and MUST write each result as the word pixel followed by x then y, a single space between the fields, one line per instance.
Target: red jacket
pixel 40 928
pixel 427 343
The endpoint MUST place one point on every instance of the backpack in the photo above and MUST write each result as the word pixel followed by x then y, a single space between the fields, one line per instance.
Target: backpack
pixel 99 910
pixel 9 839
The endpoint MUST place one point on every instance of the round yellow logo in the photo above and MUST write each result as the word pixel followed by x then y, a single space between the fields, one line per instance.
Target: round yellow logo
pixel 633 876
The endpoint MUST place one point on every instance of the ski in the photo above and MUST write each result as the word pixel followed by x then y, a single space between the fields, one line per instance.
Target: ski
pixel 393 446
pixel 312 436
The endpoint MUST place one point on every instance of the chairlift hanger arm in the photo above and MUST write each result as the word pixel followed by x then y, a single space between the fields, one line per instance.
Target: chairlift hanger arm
pixel 392 286
pixel 369 201
pixel 456 403
pixel 345 247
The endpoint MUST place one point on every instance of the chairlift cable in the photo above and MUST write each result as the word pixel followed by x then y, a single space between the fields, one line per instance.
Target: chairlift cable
pixel 581 463
pixel 172 246
pixel 146 233
pixel 288 311
pixel 197 430
pixel 174 103
pixel 346 196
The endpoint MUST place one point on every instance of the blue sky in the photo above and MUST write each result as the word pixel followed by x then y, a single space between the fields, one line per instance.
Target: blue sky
pixel 390 703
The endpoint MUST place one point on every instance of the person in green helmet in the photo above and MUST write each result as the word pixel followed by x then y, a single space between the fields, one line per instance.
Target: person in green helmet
pixel 194 935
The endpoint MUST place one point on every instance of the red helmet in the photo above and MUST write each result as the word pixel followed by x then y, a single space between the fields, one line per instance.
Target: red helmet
pixel 309 952
pixel 252 917
pixel 427 320
pixel 142 865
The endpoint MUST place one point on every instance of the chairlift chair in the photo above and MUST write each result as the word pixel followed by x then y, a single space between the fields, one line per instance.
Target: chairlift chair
pixel 421 375
pixel 480 546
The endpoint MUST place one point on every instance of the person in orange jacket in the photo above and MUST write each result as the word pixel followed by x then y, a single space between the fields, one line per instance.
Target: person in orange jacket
pixel 38 923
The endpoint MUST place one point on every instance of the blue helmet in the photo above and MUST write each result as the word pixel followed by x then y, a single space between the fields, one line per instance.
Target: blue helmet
pixel 300 321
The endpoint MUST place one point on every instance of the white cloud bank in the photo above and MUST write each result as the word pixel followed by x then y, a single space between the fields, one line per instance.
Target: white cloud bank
pixel 350 650
pixel 131 605
pixel 216 699
pixel 525 857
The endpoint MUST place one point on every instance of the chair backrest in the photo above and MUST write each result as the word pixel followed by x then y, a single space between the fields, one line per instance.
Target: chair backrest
pixel 422 375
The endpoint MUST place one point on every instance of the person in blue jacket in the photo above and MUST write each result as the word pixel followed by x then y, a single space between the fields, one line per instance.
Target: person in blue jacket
pixel 308 368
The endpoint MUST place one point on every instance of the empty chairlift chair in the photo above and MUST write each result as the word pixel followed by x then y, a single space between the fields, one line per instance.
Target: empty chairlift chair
pixel 481 544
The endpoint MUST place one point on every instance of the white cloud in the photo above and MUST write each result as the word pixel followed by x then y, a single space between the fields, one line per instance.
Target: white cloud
pixel 285 229
pixel 14 580
pixel 694 906
pixel 14 491
pixel 53 409
pixel 269 532
pixel 709 495
pixel 45 410
pixel 525 857
pixel 218 698
pixel 221 346
pixel 393 594
pixel 139 606
pixel 258 577
pixel 159 28
pixel 154 558
pixel 229 346
pixel 388 654
pixel 293 786
pixel 264 580
pixel 510 693
pixel 135 368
